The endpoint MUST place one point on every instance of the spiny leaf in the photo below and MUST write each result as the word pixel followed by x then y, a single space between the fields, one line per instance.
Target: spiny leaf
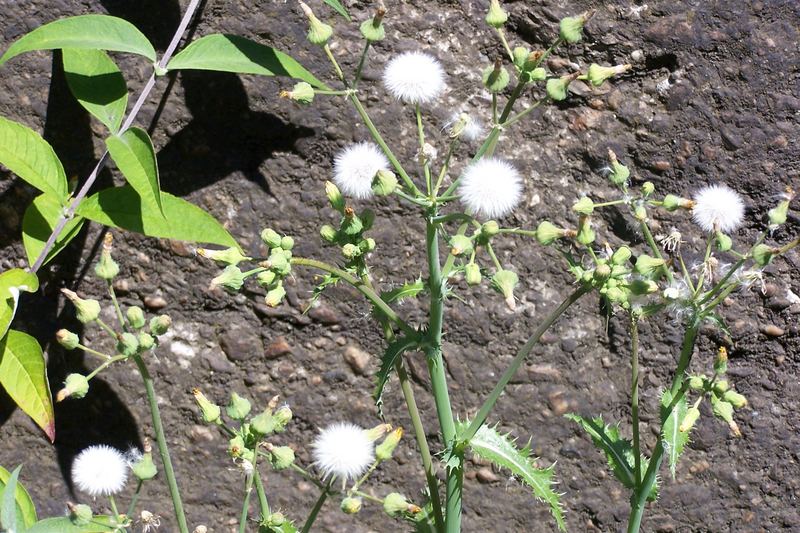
pixel 97 83
pixel 407 290
pixel 339 8
pixel 31 158
pixel 674 440
pixel 26 511
pixel 24 376
pixel 231 53
pixel 38 223
pixel 328 280
pixel 489 444
pixel 618 451
pixel 393 351
pixel 93 32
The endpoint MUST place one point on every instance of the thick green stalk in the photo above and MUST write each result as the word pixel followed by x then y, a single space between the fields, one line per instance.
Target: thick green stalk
pixel 262 494
pixel 161 441
pixel 248 489
pixel 637 456
pixel 317 508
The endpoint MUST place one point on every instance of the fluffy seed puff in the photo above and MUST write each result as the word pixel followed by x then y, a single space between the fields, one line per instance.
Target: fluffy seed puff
pixel 343 450
pixel 355 167
pixel 100 471
pixel 414 78
pixel 718 208
pixel 490 188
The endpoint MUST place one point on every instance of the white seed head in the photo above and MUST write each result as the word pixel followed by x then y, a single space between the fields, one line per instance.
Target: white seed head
pixel 491 188
pixel 464 126
pixel 355 167
pixel 718 208
pixel 414 78
pixel 343 450
pixel 100 470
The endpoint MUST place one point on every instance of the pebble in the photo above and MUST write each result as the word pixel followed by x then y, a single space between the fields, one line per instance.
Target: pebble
pixel 485 475
pixel 122 287
pixel 155 302
pixel 569 345
pixel 324 315
pixel 217 361
pixel 200 433
pixel 771 330
pixel 558 404
pixel 357 358
pixel 277 348
pixel 240 343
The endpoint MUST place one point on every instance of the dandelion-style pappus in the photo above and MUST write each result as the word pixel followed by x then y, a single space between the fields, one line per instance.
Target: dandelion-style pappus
pixel 463 126
pixel 343 450
pixel 355 167
pixel 491 187
pixel 414 78
pixel 100 470
pixel 718 208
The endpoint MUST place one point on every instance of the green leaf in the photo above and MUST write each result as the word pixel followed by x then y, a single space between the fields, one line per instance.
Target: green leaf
pixel 26 511
pixel 8 503
pixel 339 8
pixel 122 207
pixel 501 450
pixel 393 351
pixel 619 451
pixel 31 158
pixel 92 32
pixel 231 53
pixel 98 524
pixel 97 83
pixel 39 222
pixel 11 282
pixel 407 290
pixel 24 376
pixel 135 157
pixel 673 439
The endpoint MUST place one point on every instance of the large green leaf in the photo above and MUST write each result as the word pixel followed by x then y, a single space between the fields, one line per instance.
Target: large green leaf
pixel 8 503
pixel 231 53
pixel 97 83
pixel 38 223
pixel 339 8
pixel 26 511
pixel 92 32
pixel 135 157
pixel 11 283
pixel 390 356
pixel 673 439
pixel 24 376
pixel 98 524
pixel 122 207
pixel 501 450
pixel 31 158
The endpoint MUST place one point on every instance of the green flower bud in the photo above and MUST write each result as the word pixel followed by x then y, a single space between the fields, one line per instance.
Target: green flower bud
pixel 460 245
pixel 596 74
pixel 724 411
pixel 495 77
pixel 616 295
pixel 649 266
pixel 384 183
pixel 85 310
pixel 724 243
pixel 372 29
pixel 621 256
pixel 692 414
pixel 367 245
pixel 238 408
pixel 672 202
pixel 648 188
pixel 106 268
pixel 367 218
pixel 302 93
pixel 777 215
pixel 570 28
pixel 160 325
pixel 228 256
pixel 146 341
pixel 263 424
pixel 351 223
pixel 351 251
pixel 557 87
pixel 721 386
pixel 144 468
pixel 532 62
pixel 136 317
pixel 75 386
pixel 334 196
pixel 275 520
pixel 396 505
pixel 275 296
pixel 236 447
pixel 547 233
pixel 640 213
pixel 735 399
pixel 318 31
pixel 281 457
pixel 80 515
pixel 266 278
pixel 231 279
pixel 496 16
pixel 619 172
pixel 642 286
pixel 351 505
pixel 504 282
pixel 520 54
pixel 282 418
pixel 490 229
pixel 384 450
pixel 472 273
pixel 762 254
pixel 211 412
pixel 328 233
pixel 127 344
pixel 697 382
pixel 721 361
pixel 586 234
pixel 271 238
pixel 584 206
pixel 602 272
pixel 537 74
pixel 67 339
pixel 278 261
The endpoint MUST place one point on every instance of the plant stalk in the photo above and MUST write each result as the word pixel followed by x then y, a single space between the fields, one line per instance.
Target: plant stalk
pixel 637 455
pixel 317 508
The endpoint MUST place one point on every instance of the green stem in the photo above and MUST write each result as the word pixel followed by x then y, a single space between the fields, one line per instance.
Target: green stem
pixel 445 166
pixel 161 441
pixel 524 112
pixel 317 507
pixel 426 168
pixel 114 511
pixel 105 365
pixel 262 494
pixel 496 262
pixel 335 64
pixel 637 455
pixel 86 349
pixel 502 36
pixel 523 352
pixel 248 489
pixel 135 498
pixel 369 497
pixel 118 309
pixel 361 64
pixel 648 236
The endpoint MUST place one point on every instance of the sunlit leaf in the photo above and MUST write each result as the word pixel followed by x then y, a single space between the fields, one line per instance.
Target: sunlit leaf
pixel 98 524
pixel 97 83
pixel 339 8
pixel 135 157
pixel 674 440
pixel 31 158
pixel 26 511
pixel 92 32
pixel 39 222
pixel 8 503
pixel 11 283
